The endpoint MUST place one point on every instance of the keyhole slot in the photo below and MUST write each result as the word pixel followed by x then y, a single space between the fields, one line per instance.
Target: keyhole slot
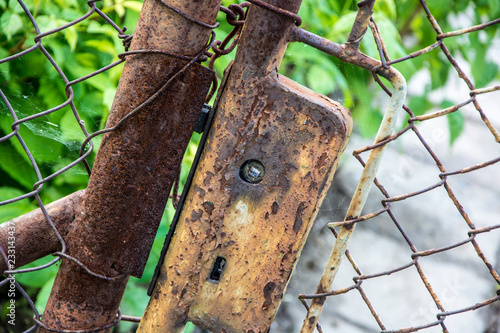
pixel 252 171
pixel 217 269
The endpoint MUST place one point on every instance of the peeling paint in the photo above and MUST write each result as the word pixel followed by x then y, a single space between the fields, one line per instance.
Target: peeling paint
pixel 259 228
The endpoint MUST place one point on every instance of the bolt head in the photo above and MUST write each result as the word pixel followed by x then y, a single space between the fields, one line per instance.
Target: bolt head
pixel 252 171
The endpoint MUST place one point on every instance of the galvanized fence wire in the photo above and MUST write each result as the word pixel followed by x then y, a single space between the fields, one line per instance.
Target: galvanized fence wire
pixel 443 181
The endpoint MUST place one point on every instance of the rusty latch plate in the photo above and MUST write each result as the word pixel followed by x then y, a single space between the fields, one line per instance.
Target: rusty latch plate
pixel 268 161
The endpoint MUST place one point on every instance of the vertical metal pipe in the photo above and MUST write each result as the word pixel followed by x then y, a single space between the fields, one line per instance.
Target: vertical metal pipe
pixel 135 166
pixel 264 39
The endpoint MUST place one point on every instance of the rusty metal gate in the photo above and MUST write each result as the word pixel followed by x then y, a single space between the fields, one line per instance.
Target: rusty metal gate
pixel 268 154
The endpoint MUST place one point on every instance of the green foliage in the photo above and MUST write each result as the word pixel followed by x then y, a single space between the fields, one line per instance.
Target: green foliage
pixel 419 104
pixel 14 209
pixel 456 121
pixel 32 85
pixel 405 29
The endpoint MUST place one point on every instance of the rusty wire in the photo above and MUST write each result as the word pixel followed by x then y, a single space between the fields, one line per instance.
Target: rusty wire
pixel 235 16
pixel 443 174
pixel 87 145
pixel 37 187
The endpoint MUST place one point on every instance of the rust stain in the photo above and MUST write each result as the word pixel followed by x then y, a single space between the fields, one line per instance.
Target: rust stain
pixel 275 207
pixel 201 192
pixel 268 294
pixel 209 207
pixel 258 228
pixel 269 220
pixel 195 215
pixel 134 168
pixel 321 161
pixel 298 216
pixel 208 178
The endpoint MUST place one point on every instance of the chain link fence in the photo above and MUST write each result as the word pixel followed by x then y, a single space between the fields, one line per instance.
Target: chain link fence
pixel 14 142
pixel 15 137
pixel 443 310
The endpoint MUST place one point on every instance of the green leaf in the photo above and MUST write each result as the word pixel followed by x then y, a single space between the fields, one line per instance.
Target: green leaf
pixel 130 21
pixel 119 9
pixel 46 23
pixel 190 327
pixel 494 6
pixel 135 299
pixel 43 139
pixel 439 8
pixel 357 79
pixel 461 5
pixel 419 104
pixel 108 97
pixel 102 46
pixel 43 294
pixel 16 166
pixel 71 37
pixel 484 73
pixel 320 80
pixel 31 67
pixel 38 279
pixel 134 302
pixel 405 10
pixel 439 69
pixel 70 129
pixel 96 28
pixel 51 92
pixel 70 14
pixel 343 26
pixel 101 82
pixel 387 7
pixel 456 121
pixel 91 107
pixel 11 23
pixel 4 67
pixel 367 120
pixel 77 177
pixel 483 70
pixel 15 209
pixel 134 5
pixel 3 4
pixel 390 35
pixel 15 7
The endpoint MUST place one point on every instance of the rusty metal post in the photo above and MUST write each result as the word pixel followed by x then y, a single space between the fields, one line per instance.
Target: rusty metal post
pixel 135 166
pixel 267 163
pixel 35 237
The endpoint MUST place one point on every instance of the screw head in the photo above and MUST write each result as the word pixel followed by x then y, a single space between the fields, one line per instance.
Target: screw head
pixel 252 171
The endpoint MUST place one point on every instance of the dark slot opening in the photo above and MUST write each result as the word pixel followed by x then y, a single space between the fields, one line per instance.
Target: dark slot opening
pixel 217 269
